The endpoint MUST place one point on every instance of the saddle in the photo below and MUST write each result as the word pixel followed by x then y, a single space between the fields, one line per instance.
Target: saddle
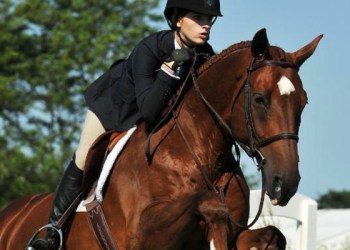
pixel 95 161
pixel 97 155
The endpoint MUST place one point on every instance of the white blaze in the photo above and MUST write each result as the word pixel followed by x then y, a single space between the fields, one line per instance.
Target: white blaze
pixel 212 246
pixel 285 86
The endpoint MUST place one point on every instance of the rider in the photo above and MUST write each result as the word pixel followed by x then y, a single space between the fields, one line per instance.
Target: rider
pixel 137 89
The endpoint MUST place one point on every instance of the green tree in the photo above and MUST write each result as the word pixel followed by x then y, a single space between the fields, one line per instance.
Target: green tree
pixel 334 199
pixel 50 51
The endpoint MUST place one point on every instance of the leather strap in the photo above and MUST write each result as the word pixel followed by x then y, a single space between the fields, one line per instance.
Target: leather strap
pixel 99 226
pixel 167 116
pixel 199 165
pixel 67 214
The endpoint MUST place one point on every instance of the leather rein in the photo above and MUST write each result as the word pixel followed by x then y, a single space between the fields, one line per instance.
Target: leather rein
pixel 255 142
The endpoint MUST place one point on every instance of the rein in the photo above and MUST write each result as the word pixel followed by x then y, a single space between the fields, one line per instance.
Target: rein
pixel 148 153
pixel 226 129
pixel 255 142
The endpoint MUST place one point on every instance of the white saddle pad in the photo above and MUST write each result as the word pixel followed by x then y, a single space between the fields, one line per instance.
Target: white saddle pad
pixel 106 170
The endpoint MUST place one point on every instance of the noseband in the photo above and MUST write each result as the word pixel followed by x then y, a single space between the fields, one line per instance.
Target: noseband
pixel 255 141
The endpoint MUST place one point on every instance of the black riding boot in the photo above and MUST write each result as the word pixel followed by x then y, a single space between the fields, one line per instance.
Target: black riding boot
pixel 67 190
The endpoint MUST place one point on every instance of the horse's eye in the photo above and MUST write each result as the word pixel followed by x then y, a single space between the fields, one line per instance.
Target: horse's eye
pixel 260 100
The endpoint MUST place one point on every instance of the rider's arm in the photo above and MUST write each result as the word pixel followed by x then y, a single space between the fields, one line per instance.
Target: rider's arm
pixel 153 86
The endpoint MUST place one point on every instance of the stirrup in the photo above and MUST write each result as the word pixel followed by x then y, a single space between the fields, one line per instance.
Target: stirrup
pixel 57 231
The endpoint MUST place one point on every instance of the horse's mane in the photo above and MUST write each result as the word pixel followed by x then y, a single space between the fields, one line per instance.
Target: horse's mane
pixel 223 54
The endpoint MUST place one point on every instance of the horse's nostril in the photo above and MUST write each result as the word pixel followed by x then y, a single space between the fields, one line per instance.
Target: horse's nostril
pixel 277 179
pixel 277 187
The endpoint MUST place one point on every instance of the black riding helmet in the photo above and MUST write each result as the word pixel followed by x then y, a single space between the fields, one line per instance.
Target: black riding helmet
pixel 207 7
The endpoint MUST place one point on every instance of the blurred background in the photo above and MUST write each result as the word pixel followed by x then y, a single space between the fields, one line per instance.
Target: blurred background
pixel 51 50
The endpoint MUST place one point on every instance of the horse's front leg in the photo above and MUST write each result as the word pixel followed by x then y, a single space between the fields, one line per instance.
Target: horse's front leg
pixel 188 223
pixel 237 200
pixel 216 214
pixel 267 238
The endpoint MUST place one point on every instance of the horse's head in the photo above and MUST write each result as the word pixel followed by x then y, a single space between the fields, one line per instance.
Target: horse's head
pixel 272 98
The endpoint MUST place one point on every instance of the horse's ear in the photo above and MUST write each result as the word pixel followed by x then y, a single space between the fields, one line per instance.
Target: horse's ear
pixel 301 55
pixel 260 44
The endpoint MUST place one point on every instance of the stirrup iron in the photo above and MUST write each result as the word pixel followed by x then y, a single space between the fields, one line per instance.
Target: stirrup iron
pixel 57 231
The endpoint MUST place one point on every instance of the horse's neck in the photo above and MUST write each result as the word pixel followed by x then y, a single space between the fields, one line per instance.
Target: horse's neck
pixel 219 85
pixel 201 134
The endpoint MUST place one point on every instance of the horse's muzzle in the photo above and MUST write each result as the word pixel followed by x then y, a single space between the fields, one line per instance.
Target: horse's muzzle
pixel 281 189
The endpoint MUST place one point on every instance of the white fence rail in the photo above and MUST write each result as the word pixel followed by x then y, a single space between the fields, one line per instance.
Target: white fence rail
pixel 300 208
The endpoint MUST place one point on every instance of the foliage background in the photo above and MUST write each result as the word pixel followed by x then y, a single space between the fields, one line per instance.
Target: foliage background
pixel 50 51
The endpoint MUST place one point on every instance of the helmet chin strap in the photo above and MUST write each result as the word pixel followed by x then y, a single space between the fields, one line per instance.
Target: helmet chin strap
pixel 182 40
pixel 214 20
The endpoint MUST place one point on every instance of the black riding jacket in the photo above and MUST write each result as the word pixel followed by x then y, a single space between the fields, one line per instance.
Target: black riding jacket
pixel 135 89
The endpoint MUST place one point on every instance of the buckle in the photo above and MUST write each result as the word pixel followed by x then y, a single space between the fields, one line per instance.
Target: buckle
pixel 258 159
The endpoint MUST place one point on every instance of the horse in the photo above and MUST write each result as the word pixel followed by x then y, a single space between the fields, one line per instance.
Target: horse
pixel 191 193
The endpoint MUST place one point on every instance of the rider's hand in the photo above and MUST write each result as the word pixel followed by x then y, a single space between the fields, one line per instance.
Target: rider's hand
pixel 181 57
pixel 178 60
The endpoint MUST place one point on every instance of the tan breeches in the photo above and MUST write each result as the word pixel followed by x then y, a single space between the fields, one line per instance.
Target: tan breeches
pixel 92 129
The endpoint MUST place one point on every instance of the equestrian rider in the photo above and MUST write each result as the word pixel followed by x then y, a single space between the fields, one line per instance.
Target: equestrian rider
pixel 137 89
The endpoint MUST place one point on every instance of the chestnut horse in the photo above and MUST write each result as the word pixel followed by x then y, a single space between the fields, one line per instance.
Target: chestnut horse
pixel 192 194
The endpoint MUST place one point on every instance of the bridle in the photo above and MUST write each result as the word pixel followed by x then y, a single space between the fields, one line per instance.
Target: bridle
pixel 255 141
